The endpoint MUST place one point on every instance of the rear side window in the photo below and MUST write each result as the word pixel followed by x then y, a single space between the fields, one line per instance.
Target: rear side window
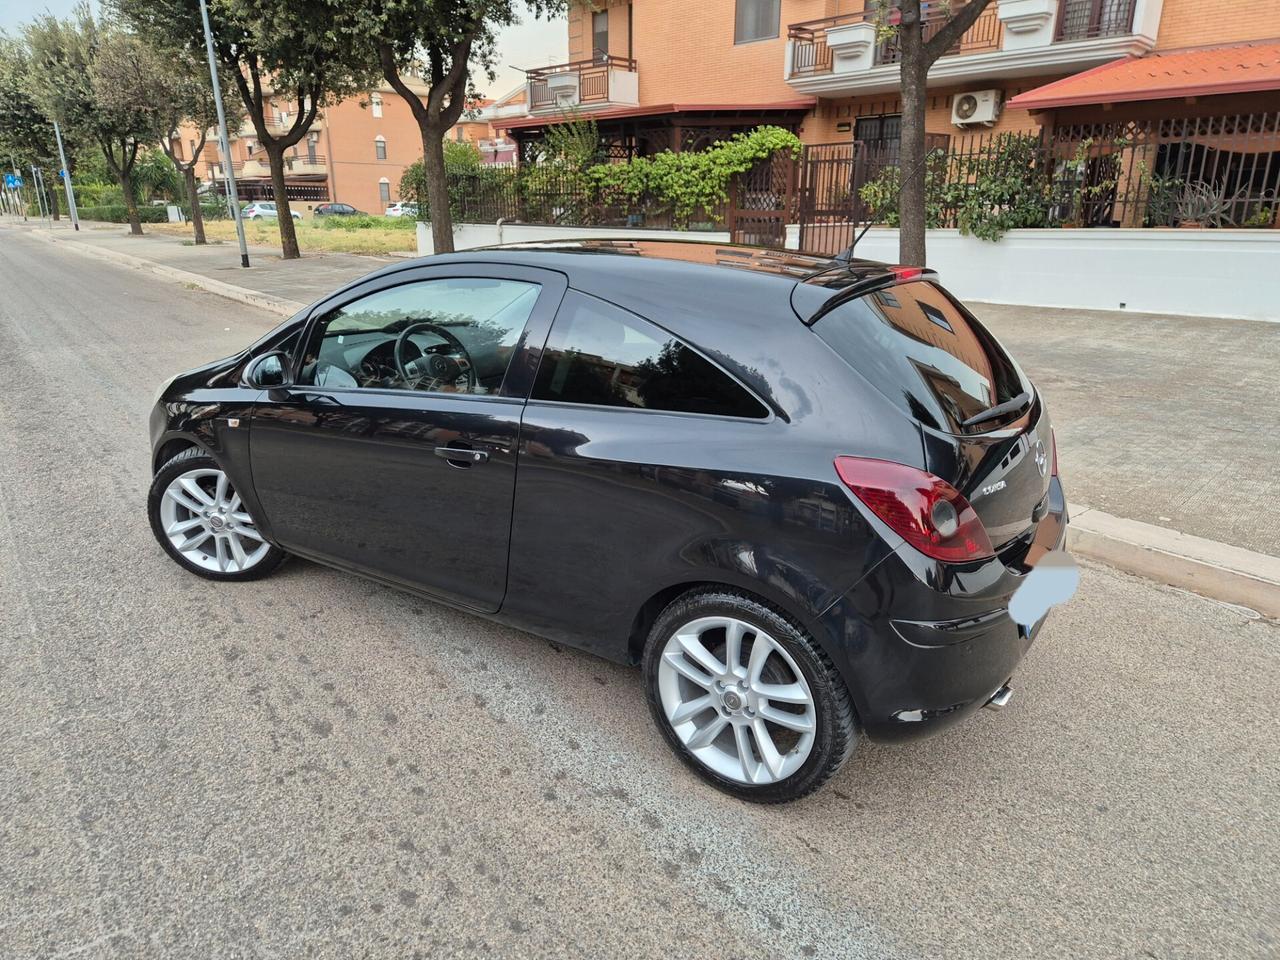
pixel 925 352
pixel 599 354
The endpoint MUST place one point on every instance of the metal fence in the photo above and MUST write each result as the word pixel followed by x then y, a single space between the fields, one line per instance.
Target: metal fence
pixel 1221 171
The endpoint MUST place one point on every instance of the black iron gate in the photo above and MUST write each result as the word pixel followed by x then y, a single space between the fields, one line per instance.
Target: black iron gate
pixel 761 203
pixel 830 207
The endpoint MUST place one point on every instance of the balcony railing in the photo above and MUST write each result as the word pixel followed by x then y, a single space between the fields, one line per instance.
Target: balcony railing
pixel 303 163
pixel 1089 19
pixel 580 82
pixel 813 56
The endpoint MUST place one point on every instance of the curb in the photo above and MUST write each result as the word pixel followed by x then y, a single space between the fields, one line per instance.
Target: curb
pixel 277 305
pixel 1211 569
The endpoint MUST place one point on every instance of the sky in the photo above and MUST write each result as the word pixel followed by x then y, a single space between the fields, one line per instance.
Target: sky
pixel 534 43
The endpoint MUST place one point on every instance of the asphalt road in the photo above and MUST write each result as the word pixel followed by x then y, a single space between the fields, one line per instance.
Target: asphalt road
pixel 315 766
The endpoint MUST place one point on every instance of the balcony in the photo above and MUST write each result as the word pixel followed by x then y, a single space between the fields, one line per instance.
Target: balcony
pixel 845 55
pixel 302 165
pixel 585 85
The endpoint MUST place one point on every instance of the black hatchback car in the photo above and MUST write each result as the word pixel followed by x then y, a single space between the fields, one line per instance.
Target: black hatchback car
pixel 800 491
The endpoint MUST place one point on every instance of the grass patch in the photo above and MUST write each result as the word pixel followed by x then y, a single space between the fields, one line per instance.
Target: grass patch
pixel 313 236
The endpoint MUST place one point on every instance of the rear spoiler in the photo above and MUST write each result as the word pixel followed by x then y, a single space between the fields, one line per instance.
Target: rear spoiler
pixel 863 285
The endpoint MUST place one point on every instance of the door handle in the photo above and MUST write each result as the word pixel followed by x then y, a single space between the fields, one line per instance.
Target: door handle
pixel 460 457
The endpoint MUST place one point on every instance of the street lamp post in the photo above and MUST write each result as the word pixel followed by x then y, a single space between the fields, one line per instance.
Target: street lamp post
pixel 223 140
pixel 66 179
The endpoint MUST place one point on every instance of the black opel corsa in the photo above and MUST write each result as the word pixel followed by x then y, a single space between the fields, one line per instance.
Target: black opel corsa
pixel 800 491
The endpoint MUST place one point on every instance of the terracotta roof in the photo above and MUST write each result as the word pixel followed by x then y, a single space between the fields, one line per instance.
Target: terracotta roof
pixel 1169 75
pixel 655 110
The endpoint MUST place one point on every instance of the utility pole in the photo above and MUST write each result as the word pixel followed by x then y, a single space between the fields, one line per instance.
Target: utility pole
pixel 223 140
pixel 66 179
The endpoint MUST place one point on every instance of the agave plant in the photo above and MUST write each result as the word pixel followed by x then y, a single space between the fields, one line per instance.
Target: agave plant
pixel 1203 203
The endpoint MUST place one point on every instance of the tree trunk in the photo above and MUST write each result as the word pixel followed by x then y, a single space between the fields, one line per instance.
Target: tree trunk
pixel 130 201
pixel 193 198
pixel 911 150
pixel 437 190
pixel 52 196
pixel 288 235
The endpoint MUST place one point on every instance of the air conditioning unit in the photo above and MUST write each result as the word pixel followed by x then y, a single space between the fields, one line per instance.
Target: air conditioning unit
pixel 979 106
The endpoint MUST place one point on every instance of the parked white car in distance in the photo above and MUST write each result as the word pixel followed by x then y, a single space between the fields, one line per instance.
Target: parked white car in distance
pixel 263 210
pixel 402 209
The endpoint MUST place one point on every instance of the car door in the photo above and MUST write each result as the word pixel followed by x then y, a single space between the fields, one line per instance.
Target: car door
pixel 406 470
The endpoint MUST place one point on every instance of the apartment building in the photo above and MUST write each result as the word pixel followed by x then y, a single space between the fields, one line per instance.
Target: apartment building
pixel 355 151
pixel 660 74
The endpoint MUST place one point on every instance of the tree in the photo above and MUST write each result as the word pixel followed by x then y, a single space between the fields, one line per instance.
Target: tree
pixel 100 84
pixel 437 41
pixel 920 49
pixel 274 51
pixel 26 133
pixel 189 100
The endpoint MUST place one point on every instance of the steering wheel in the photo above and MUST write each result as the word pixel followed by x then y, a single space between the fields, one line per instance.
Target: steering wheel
pixel 434 368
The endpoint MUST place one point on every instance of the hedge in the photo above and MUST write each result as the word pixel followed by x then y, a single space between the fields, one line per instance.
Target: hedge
pixel 118 213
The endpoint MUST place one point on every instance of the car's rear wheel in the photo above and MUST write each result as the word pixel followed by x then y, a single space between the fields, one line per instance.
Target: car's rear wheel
pixel 746 698
pixel 202 523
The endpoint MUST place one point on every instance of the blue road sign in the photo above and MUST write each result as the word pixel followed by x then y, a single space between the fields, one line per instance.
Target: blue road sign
pixel 12 181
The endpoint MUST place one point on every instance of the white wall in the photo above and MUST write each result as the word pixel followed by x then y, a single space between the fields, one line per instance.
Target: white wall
pixel 469 235
pixel 1212 273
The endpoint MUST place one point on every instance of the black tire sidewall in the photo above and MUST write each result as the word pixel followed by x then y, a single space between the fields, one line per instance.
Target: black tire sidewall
pixel 836 731
pixel 194 459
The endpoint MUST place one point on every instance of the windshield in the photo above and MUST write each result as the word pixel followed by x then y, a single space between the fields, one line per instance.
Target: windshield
pixel 927 353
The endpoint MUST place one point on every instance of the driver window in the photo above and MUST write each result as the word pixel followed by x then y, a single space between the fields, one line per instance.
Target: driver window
pixel 455 335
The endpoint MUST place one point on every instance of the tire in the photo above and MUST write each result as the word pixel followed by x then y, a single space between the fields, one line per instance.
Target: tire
pixel 197 517
pixel 817 732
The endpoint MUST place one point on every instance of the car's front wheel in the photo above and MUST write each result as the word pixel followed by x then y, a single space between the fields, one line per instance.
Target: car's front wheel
pixel 202 523
pixel 746 698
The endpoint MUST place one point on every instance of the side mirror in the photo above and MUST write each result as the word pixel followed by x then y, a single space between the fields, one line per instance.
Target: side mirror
pixel 270 370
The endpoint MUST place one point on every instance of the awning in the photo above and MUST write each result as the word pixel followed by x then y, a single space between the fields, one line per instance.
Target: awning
pixel 657 110
pixel 1170 75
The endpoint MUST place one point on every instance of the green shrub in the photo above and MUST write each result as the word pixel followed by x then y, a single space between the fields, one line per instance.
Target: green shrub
pixel 366 221
pixel 1004 187
pixel 117 213
pixel 98 194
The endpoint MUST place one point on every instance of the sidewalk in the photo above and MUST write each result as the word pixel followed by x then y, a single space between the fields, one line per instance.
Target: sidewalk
pixel 297 281
pixel 1166 425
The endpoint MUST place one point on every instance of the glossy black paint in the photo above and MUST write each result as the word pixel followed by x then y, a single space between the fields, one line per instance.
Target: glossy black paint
pixel 585 519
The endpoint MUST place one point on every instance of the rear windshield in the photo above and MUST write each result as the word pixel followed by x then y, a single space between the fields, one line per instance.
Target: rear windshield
pixel 925 352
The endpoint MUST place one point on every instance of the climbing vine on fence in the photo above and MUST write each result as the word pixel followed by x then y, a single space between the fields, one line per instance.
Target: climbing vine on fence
pixel 689 182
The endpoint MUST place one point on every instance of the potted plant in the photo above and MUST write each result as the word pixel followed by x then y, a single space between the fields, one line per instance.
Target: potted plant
pixel 1201 205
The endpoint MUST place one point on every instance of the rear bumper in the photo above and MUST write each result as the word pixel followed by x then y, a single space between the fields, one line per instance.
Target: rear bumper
pixel 924 644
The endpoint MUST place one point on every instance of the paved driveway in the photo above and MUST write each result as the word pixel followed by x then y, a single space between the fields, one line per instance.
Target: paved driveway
pixel 1171 420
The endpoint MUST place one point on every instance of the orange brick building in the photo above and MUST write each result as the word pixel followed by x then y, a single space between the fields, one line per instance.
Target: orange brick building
pixel 668 74
pixel 355 152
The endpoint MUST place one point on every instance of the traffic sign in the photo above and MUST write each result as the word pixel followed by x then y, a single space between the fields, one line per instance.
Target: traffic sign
pixel 13 180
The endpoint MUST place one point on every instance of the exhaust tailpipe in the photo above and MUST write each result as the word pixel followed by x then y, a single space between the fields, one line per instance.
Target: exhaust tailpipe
pixel 1000 699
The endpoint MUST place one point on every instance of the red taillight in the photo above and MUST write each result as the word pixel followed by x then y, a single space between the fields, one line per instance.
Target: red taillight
pixel 926 511
pixel 904 273
pixel 1053 441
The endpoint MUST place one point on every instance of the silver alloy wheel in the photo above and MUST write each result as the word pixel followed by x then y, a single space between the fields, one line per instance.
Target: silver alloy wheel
pixel 203 518
pixel 731 708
